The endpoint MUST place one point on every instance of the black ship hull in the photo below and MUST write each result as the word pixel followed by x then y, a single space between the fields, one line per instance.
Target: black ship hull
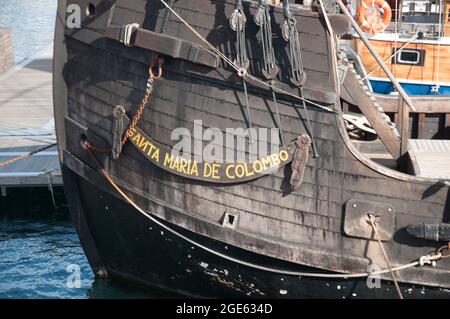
pixel 275 227
pixel 135 249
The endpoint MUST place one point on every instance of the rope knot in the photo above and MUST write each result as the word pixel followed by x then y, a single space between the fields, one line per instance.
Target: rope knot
pixel 429 260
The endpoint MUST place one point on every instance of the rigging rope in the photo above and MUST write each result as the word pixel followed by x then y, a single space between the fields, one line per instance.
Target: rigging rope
pixel 238 69
pixel 395 43
pixel 334 41
pixel 298 75
pixel 290 35
pixel 166 17
pixel 280 127
pixel 270 68
pixel 238 21
pixel 263 20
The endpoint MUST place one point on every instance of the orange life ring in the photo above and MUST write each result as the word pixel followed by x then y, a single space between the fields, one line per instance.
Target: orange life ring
pixel 372 26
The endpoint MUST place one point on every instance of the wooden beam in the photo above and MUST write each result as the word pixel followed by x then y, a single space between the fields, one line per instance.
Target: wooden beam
pixel 404 127
pixel 421 126
pixel 352 87
pixel 423 104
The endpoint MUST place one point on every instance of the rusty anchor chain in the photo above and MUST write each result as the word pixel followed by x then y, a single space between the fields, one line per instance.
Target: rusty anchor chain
pixel 158 65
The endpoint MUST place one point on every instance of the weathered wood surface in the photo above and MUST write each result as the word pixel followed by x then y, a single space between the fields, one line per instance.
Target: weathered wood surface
pixel 423 104
pixel 430 121
pixel 430 158
pixel 101 74
pixel 207 19
pixel 26 124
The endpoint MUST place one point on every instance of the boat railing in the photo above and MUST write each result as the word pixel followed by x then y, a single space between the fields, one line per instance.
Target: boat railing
pixel 430 31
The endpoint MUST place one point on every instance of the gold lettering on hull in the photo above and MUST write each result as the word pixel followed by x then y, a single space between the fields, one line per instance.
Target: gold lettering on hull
pixel 214 172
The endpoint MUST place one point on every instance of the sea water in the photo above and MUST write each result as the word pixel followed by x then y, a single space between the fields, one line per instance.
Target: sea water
pixel 32 24
pixel 41 256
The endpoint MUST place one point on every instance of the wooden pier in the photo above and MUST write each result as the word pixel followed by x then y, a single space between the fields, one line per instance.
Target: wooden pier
pixel 27 125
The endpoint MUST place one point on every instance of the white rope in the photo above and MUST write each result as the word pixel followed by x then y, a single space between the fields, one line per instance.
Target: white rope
pixel 372 220
pixel 205 41
pixel 359 122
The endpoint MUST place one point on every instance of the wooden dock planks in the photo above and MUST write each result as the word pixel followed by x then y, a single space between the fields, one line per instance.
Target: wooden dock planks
pixel 26 124
pixel 430 158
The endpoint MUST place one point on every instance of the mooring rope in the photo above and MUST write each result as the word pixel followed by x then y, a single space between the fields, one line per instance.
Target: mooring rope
pixel 25 156
pixel 428 259
pixel 239 70
pixel 373 223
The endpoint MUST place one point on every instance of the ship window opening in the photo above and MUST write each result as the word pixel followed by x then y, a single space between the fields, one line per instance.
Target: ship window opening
pixel 409 57
pixel 90 10
pixel 230 220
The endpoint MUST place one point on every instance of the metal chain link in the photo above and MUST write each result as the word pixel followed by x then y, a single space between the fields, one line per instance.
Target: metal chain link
pixel 148 92
pixel 89 145
pixel 136 118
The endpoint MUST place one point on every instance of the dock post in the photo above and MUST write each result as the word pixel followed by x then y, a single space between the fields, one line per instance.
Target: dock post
pixel 3 191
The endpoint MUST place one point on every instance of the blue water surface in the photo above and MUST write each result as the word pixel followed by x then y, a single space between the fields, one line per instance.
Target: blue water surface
pixel 39 248
pixel 32 24
pixel 37 259
pixel 40 252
